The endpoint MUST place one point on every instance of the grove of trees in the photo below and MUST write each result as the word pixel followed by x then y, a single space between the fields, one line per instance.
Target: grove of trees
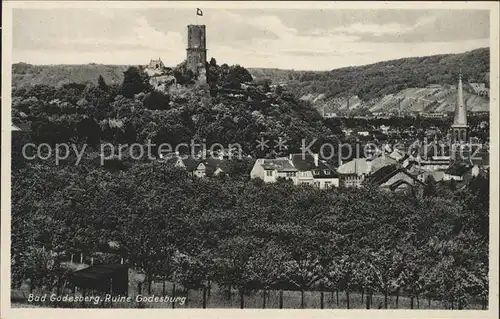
pixel 248 235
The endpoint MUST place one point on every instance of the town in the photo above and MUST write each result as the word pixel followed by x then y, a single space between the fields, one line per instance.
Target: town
pixel 319 194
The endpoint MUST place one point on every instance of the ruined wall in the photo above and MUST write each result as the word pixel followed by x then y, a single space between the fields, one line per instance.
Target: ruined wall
pixel 196 51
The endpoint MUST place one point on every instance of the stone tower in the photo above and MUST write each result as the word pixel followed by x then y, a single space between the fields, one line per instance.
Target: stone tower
pixel 197 49
pixel 460 129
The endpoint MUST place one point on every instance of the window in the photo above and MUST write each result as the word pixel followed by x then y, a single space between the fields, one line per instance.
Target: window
pixel 316 184
pixel 326 171
pixel 327 184
pixel 316 172
pixel 269 173
pixel 290 174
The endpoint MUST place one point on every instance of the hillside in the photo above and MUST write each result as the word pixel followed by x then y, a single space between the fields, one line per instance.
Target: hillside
pixel 382 78
pixel 57 75
pixel 434 98
pixel 421 83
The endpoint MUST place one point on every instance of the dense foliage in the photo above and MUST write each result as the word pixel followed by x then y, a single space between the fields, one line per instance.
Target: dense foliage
pixel 250 235
pixel 132 112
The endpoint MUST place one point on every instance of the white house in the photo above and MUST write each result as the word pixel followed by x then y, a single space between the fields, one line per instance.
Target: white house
pixel 300 168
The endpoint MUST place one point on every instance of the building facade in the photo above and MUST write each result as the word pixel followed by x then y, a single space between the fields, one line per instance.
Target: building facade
pixel 301 170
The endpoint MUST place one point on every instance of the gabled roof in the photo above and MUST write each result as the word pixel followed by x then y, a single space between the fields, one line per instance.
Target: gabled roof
pixel 357 166
pixel 382 161
pixel 189 162
pixel 399 183
pixel 382 173
pixel 100 271
pixel 21 127
pixel 279 164
pixel 303 162
pixel 386 173
pixel 212 164
pixel 397 155
pixel 322 169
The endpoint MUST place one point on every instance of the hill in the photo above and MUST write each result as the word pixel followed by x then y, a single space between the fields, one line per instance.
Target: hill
pixel 421 83
pixel 24 74
pixel 412 84
pixel 433 98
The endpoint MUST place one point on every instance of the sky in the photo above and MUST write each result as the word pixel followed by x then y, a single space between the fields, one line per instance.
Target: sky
pixel 269 38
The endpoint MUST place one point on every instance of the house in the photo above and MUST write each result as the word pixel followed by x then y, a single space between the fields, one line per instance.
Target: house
pixel 199 167
pixel 431 156
pixel 438 176
pixel 385 129
pixel 269 170
pixel 311 170
pixel 474 172
pixel 352 173
pixel 381 161
pixel 397 155
pixel 460 171
pixel 211 167
pixel 364 133
pixel 299 168
pixel 396 179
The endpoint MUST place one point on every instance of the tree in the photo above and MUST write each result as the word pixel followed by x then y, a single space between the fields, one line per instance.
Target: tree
pixel 135 80
pixel 156 100
pixel 430 187
pixel 101 84
pixel 266 268
pixel 232 264
pixel 44 269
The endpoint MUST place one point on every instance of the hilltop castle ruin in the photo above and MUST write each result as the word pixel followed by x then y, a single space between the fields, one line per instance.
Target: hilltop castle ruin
pixel 197 49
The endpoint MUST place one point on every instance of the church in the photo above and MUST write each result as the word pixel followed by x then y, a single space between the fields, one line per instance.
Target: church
pixel 460 129
pixel 436 156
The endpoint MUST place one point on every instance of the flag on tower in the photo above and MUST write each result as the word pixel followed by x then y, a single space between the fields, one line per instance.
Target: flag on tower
pixel 199 12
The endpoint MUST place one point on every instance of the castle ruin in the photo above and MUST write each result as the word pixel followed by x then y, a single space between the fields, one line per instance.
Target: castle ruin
pixel 197 49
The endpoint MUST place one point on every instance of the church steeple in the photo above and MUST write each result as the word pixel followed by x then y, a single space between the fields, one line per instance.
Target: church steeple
pixel 460 109
pixel 459 128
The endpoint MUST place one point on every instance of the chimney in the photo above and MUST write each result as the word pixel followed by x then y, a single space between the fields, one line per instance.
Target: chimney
pixel 316 159
pixel 290 156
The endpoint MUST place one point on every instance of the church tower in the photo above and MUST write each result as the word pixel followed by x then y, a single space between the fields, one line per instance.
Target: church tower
pixel 460 129
pixel 197 50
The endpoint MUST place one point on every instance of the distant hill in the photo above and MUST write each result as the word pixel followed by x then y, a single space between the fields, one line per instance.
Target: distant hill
pixel 24 74
pixel 434 98
pixel 421 83
pixel 382 78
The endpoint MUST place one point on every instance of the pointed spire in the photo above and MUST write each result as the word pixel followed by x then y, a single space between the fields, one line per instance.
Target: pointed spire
pixel 460 110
